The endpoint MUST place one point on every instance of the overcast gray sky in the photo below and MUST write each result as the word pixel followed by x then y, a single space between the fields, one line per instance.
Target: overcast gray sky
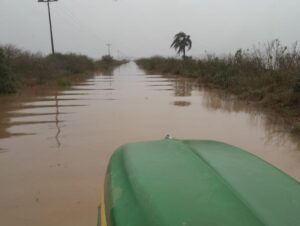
pixel 146 27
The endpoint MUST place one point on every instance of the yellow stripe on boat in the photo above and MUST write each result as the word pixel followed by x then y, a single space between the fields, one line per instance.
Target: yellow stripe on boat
pixel 102 211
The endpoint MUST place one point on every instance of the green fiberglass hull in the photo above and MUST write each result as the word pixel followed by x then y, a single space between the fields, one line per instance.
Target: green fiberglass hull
pixel 196 183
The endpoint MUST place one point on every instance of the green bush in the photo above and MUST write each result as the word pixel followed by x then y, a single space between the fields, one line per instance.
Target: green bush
pixel 69 63
pixel 296 128
pixel 297 85
pixel 107 59
pixel 7 83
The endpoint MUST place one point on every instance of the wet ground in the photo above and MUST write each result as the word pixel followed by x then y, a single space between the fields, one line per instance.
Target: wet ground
pixel 54 145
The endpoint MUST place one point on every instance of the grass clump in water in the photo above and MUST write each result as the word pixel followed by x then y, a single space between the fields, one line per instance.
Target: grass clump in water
pixel 64 83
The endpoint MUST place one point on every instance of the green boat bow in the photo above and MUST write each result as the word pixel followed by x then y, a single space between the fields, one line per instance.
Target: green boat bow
pixel 196 183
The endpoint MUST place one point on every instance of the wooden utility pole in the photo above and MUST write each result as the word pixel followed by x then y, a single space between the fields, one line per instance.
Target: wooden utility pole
pixel 108 46
pixel 50 22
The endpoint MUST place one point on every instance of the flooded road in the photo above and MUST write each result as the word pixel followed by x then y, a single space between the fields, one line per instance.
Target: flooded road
pixel 54 146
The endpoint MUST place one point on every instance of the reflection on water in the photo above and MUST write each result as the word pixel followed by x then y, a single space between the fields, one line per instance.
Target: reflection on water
pixel 2 150
pixel 46 108
pixel 54 145
pixel 182 103
pixel 183 87
pixel 57 122
pixel 276 127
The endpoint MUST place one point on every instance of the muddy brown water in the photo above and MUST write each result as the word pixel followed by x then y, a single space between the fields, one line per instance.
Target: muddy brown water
pixel 54 146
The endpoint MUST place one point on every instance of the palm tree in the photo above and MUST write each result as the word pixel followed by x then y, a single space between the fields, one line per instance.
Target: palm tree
pixel 181 42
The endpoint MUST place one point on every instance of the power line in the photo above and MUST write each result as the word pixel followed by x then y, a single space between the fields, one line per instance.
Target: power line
pixel 77 24
pixel 71 21
pixel 74 26
pixel 83 25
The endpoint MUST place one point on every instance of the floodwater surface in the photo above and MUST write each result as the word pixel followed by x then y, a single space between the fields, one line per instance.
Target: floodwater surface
pixel 54 146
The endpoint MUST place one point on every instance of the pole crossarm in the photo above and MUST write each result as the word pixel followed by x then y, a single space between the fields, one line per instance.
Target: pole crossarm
pixel 47 0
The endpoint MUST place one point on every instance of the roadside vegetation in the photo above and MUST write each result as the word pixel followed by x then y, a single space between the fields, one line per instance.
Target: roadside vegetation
pixel 7 83
pixel 107 64
pixel 268 75
pixel 19 68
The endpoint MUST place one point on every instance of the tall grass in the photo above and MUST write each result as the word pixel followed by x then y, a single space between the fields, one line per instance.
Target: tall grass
pixel 20 68
pixel 7 84
pixel 269 73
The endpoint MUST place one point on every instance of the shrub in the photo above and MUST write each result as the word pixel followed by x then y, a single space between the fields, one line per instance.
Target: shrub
pixel 7 83
pixel 297 85
pixel 107 59
pixel 296 128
